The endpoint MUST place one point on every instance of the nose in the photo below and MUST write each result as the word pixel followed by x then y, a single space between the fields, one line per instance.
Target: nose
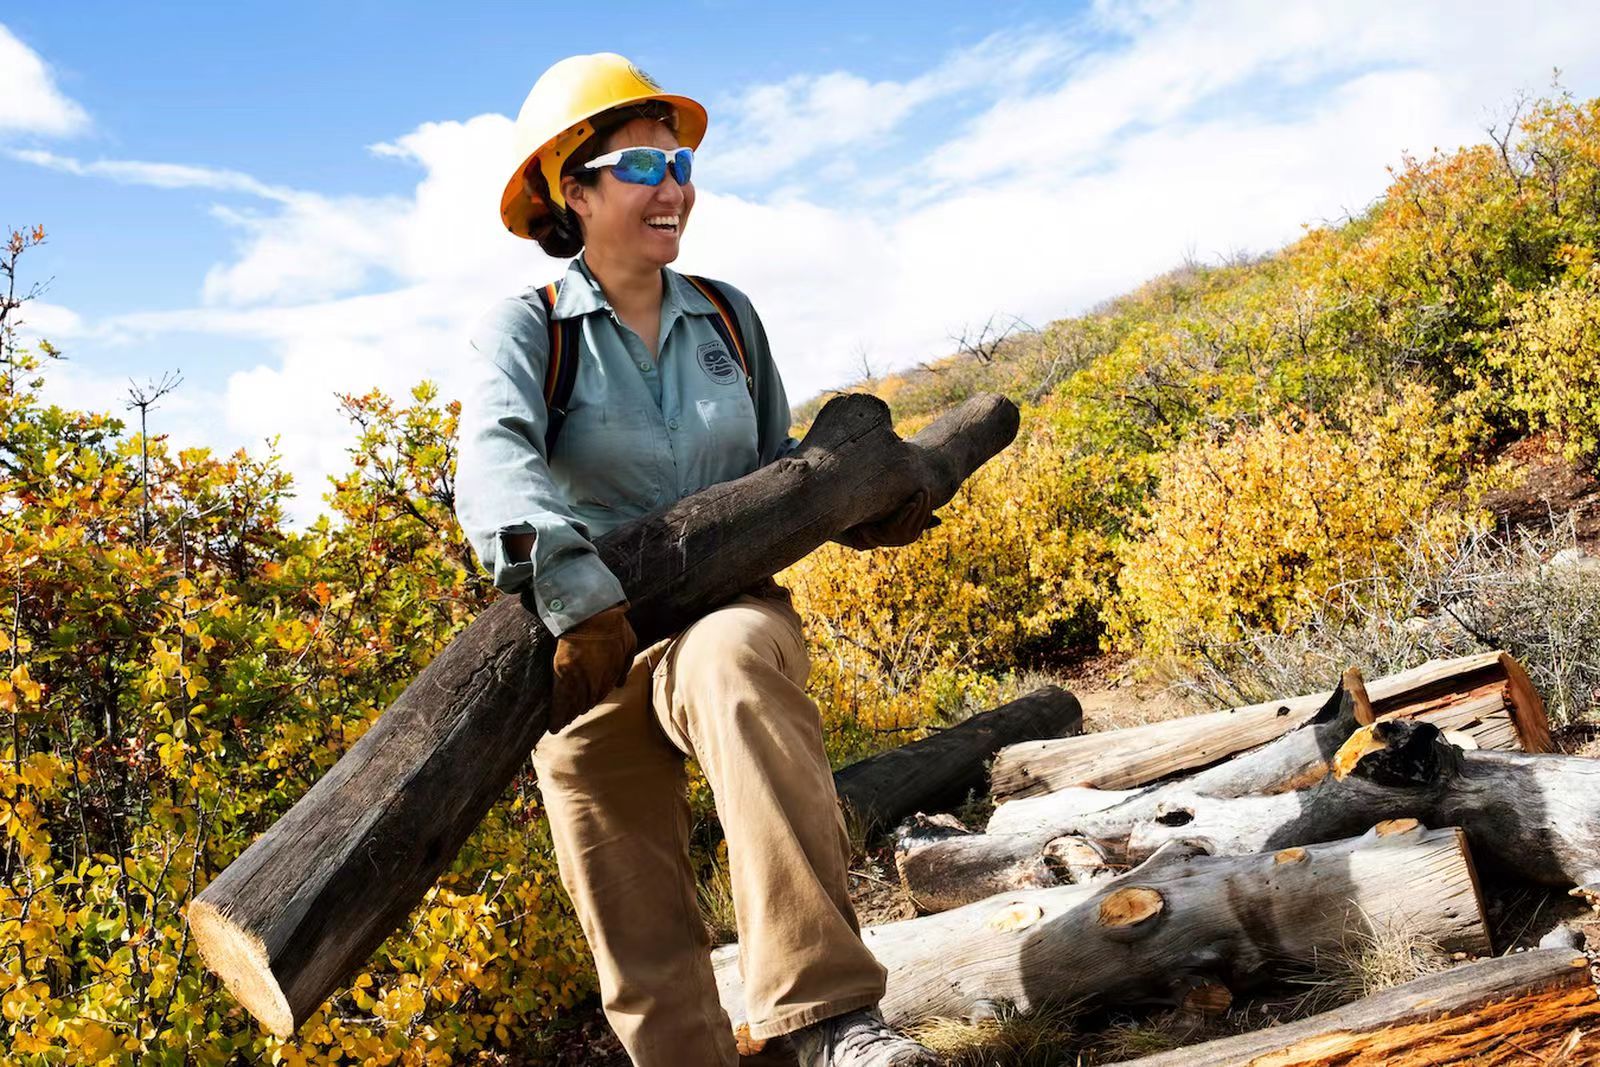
pixel 669 192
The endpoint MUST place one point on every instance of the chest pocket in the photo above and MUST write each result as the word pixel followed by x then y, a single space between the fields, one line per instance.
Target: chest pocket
pixel 729 424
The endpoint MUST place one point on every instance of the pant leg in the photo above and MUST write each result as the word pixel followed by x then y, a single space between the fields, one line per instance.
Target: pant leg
pixel 731 691
pixel 614 788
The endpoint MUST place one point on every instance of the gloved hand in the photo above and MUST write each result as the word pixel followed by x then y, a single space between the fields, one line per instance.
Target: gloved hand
pixel 591 659
pixel 901 528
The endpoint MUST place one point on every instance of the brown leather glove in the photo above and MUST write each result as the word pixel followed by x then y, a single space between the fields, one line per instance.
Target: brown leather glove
pixel 901 528
pixel 591 659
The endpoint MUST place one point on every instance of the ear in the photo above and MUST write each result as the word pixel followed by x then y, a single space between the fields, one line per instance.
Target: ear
pixel 577 195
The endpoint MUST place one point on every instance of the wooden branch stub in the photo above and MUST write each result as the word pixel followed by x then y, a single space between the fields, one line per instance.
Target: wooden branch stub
pixel 1394 827
pixel 1289 855
pixel 1015 917
pixel 1356 685
pixel 1131 906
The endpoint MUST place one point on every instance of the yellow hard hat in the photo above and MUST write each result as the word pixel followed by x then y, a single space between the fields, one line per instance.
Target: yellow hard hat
pixel 554 121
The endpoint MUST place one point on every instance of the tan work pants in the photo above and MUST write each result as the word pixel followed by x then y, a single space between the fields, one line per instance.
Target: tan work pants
pixel 729 692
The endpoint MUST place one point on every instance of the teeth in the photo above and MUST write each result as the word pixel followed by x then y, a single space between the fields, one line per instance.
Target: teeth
pixel 665 221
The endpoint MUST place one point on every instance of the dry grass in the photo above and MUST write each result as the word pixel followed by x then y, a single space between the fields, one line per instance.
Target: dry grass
pixel 1532 593
pixel 716 904
pixel 1146 1037
pixel 1011 1038
pixel 1370 960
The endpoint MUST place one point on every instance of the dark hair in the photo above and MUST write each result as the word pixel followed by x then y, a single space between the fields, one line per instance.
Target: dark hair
pixel 560 232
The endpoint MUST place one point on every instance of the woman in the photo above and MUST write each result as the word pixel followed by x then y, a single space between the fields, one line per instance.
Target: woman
pixel 658 410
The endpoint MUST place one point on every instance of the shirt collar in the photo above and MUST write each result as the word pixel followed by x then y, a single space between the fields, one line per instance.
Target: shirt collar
pixel 580 294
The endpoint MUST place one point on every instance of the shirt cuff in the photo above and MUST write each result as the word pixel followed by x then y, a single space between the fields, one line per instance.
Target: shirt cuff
pixel 576 590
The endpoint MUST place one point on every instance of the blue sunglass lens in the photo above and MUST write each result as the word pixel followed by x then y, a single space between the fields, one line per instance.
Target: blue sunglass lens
pixel 647 166
pixel 640 166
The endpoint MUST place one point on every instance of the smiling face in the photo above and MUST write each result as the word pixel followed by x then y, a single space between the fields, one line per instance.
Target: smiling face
pixel 632 222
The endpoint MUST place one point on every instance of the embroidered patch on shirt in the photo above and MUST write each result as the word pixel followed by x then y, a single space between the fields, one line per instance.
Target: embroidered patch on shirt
pixel 718 365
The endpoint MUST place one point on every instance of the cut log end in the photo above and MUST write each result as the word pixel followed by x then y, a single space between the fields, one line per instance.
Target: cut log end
pixel 240 960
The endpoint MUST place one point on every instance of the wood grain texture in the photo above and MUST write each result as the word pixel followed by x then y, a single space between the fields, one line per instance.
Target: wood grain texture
pixel 1140 755
pixel 1531 1008
pixel 1151 931
pixel 1536 818
pixel 942 867
pixel 309 900
pixel 885 788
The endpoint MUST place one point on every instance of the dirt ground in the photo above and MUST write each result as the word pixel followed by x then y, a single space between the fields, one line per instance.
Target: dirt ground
pixel 1550 485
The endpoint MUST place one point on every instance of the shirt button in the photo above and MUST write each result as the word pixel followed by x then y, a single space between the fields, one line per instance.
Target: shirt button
pixel 556 604
pixel 644 364
pixel 672 424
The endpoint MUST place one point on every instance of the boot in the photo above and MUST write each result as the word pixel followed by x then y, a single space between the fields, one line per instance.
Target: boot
pixel 858 1039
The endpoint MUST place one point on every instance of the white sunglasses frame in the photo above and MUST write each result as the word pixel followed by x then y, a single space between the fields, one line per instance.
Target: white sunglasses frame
pixel 613 158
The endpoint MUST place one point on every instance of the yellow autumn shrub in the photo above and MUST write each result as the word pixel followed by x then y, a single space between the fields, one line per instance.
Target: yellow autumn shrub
pixel 908 637
pixel 1255 530
pixel 1550 355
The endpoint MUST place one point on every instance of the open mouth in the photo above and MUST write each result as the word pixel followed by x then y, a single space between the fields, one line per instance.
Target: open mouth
pixel 663 223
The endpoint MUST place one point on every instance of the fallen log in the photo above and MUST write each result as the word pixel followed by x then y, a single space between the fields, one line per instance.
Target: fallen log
pixel 1151 931
pixel 1532 1007
pixel 1052 809
pixel 885 788
pixel 1534 817
pixel 944 866
pixel 309 901
pixel 1448 693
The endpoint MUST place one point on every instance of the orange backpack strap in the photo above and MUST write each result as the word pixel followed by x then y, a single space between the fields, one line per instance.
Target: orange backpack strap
pixel 561 369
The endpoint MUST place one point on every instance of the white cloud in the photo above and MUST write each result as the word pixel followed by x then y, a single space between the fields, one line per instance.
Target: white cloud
pixel 29 99
pixel 158 175
pixel 1078 174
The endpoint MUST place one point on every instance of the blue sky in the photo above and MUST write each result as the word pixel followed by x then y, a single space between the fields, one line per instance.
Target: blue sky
pixel 286 200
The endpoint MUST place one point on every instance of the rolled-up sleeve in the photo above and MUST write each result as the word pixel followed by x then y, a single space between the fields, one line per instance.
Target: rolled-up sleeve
pixel 503 483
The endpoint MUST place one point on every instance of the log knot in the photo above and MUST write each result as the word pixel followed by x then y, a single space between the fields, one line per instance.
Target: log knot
pixel 1131 906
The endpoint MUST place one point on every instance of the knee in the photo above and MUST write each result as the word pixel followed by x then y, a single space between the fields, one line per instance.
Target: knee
pixel 740 645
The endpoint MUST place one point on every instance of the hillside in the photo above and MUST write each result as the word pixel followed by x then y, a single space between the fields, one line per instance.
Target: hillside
pixel 1231 483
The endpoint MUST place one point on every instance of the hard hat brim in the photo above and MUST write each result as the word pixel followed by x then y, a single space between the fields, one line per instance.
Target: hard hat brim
pixel 520 212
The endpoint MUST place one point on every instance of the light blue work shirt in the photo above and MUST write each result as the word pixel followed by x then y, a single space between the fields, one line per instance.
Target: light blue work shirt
pixel 640 432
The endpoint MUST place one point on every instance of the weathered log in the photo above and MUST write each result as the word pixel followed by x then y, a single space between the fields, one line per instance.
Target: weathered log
pixel 1179 915
pixel 309 901
pixel 944 867
pixel 1139 755
pixel 1052 809
pixel 1436 691
pixel 885 788
pixel 1531 815
pixel 1532 1007
pixel 1534 817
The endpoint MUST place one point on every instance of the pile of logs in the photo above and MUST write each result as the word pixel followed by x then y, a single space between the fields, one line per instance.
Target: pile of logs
pixel 1188 859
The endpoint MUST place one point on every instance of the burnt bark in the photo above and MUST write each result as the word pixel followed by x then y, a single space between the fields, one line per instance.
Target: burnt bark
pixel 885 788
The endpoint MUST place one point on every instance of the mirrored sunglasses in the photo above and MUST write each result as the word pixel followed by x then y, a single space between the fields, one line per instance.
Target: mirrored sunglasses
pixel 646 166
